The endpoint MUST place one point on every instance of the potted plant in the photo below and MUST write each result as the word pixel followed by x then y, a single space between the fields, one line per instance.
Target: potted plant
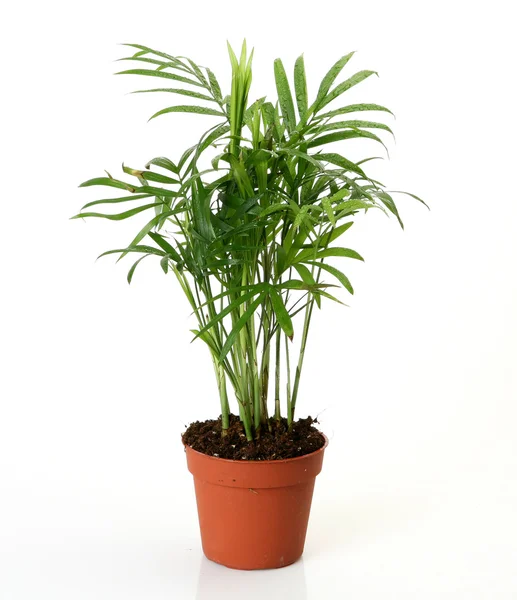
pixel 248 234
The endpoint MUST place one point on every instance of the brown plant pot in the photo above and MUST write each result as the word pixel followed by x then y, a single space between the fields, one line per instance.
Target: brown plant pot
pixel 254 514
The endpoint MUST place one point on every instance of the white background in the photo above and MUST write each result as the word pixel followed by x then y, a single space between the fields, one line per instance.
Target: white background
pixel 415 383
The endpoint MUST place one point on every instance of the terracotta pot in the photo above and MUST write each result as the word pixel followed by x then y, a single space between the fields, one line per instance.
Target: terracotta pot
pixel 254 514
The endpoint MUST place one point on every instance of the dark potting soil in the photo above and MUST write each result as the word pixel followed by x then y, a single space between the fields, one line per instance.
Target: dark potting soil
pixel 277 444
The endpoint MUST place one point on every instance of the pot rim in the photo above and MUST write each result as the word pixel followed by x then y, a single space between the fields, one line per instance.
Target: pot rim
pixel 259 462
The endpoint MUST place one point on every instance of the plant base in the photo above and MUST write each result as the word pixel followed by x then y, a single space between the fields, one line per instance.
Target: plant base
pixel 274 442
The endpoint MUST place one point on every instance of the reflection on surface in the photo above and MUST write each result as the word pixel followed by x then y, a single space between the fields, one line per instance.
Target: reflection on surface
pixel 216 581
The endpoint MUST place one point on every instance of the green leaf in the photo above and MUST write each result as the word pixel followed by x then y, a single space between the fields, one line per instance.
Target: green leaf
pixel 268 114
pixel 305 274
pixel 301 217
pixel 344 135
pixel 352 206
pixel 149 175
pixel 355 124
pixel 169 64
pixel 147 50
pixel 354 108
pixel 162 74
pixel 156 191
pixel 284 95
pixel 240 174
pixel 327 206
pixel 389 203
pixel 307 278
pixel 282 316
pixel 164 263
pixel 207 140
pixel 339 195
pixel 296 284
pixel 185 156
pixel 150 225
pixel 272 208
pixel 177 91
pixel 412 196
pixel 291 284
pixel 240 323
pixel 109 182
pixel 329 79
pixel 334 233
pixel 119 216
pixel 233 58
pixel 315 253
pixel 164 163
pixel 164 244
pixel 199 110
pixel 365 160
pixel 343 252
pixel 341 277
pixel 116 200
pixel 214 86
pixel 142 249
pixel 341 161
pixel 279 263
pixel 208 339
pixel 198 72
pixel 200 203
pixel 345 86
pixel 131 271
pixel 300 87
pixel 304 156
pixel 329 296
pixel 158 178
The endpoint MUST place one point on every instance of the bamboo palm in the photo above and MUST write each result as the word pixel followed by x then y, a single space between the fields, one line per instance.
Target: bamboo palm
pixel 249 238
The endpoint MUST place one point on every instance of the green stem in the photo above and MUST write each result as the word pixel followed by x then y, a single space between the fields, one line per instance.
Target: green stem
pixel 266 324
pixel 240 343
pixel 305 333
pixel 264 377
pixel 287 362
pixel 225 407
pixel 306 324
pixel 277 375
pixel 254 378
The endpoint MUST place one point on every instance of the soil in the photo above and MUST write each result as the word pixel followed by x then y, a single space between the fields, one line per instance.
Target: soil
pixel 275 444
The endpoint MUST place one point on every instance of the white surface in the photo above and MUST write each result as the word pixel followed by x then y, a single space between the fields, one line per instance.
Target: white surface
pixel 415 384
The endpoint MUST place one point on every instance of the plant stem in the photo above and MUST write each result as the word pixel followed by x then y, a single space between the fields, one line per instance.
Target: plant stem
pixel 254 378
pixel 225 407
pixel 288 386
pixel 306 324
pixel 305 333
pixel 277 375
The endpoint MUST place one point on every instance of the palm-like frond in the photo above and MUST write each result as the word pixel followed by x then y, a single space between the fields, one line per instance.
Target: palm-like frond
pixel 252 236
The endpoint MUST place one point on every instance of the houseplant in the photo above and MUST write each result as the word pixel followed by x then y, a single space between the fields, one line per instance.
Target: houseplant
pixel 248 235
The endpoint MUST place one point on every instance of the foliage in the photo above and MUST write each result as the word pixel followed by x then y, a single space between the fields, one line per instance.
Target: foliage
pixel 249 238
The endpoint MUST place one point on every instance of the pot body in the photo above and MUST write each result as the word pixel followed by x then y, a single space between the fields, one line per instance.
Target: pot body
pixel 254 514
